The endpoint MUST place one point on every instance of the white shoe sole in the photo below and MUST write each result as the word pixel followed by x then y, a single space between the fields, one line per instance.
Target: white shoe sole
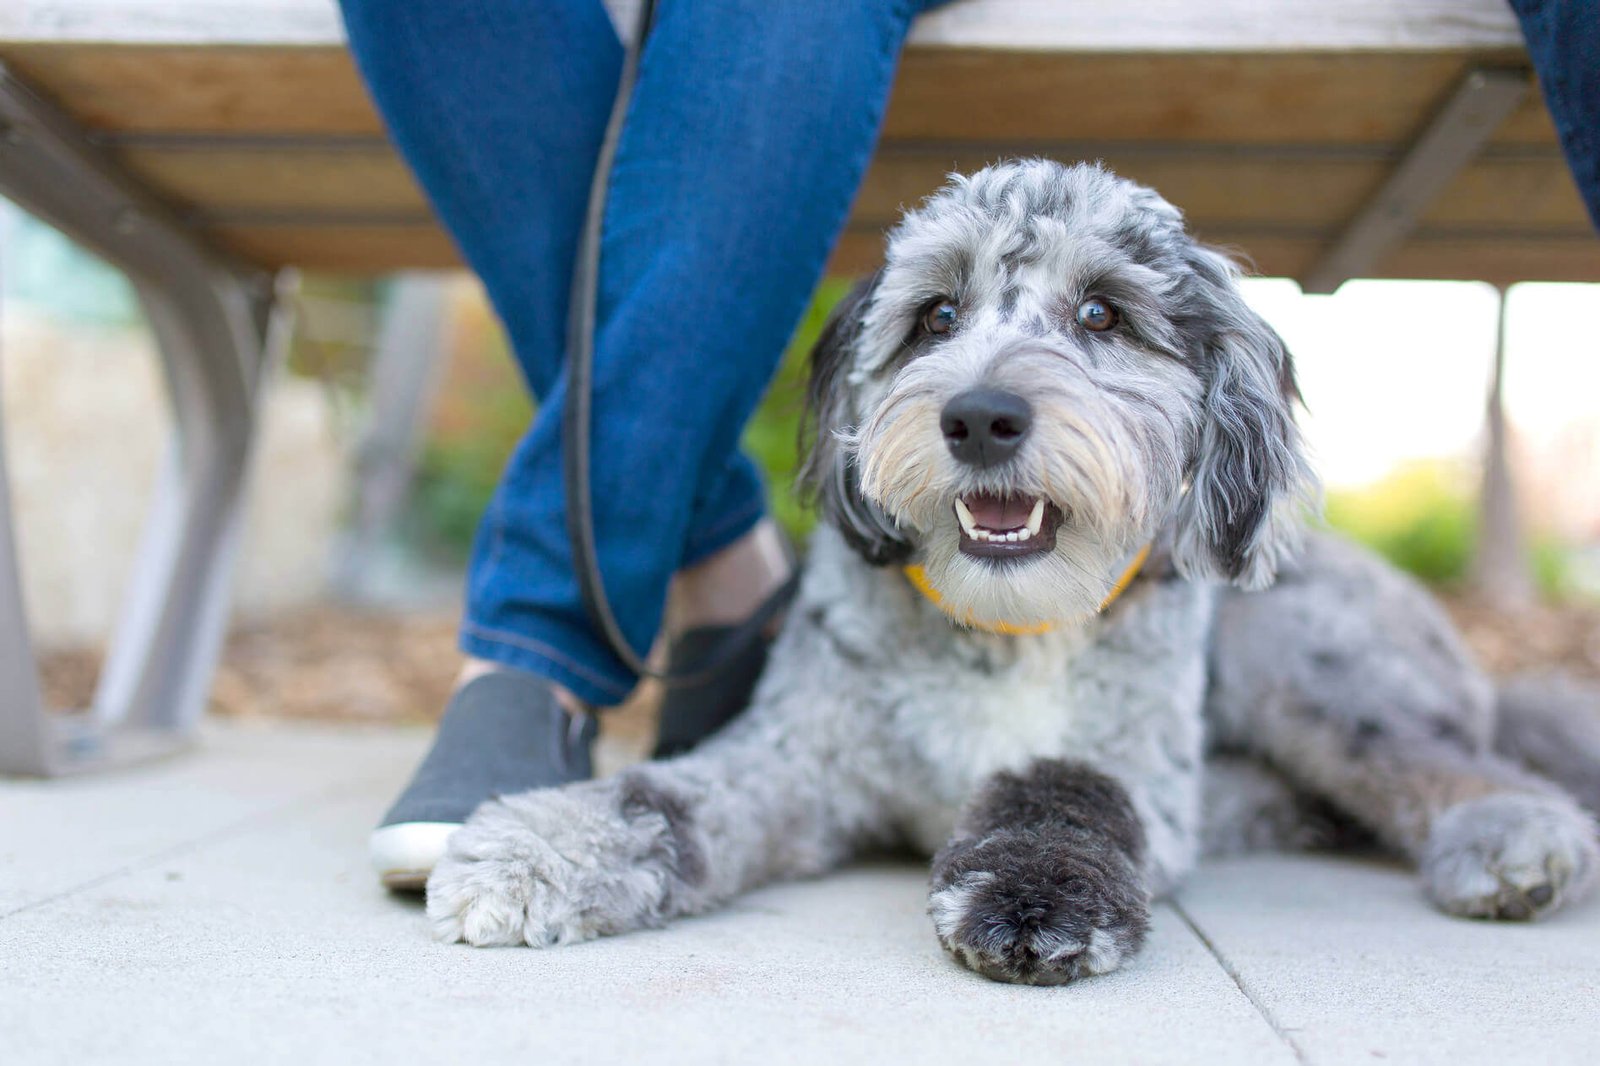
pixel 403 855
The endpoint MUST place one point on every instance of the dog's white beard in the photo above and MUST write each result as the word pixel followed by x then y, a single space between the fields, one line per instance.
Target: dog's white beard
pixel 1113 481
pixel 1063 586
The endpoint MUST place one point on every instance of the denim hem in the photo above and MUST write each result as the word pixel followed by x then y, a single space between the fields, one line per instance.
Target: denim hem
pixel 537 657
pixel 722 534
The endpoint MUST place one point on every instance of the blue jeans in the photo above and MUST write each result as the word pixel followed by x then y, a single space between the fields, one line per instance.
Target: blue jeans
pixel 748 133
pixel 1564 42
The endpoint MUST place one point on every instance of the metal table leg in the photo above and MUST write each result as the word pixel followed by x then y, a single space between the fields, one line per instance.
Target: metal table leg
pixel 218 325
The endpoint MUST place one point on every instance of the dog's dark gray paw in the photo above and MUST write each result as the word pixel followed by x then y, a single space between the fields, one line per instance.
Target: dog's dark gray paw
pixel 1020 908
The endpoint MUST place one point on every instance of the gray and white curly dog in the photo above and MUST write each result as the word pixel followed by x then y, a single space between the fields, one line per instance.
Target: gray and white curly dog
pixel 1047 385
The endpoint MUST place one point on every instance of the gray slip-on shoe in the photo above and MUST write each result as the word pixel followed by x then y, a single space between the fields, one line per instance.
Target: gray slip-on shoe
pixel 502 732
pixel 691 713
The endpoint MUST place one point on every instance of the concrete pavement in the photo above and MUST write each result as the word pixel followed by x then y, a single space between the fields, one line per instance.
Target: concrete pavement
pixel 217 908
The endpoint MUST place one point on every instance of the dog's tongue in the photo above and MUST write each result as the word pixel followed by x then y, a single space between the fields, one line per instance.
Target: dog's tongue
pixel 999 512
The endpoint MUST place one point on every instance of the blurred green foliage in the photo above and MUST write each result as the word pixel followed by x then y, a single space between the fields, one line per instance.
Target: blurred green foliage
pixel 456 476
pixel 774 431
pixel 1423 517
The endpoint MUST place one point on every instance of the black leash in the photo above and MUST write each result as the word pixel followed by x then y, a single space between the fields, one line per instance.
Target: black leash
pixel 576 433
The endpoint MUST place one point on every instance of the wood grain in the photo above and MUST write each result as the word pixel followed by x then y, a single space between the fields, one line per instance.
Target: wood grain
pixel 342 249
pixel 1501 260
pixel 200 89
pixel 941 94
pixel 1235 98
pixel 1270 151
pixel 220 179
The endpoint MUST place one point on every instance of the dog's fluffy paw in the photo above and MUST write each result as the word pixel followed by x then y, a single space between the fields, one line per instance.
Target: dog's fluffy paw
pixel 557 866
pixel 1027 917
pixel 1510 857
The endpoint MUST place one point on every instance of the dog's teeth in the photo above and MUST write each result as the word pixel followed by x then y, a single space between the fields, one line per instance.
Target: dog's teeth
pixel 968 524
pixel 1023 534
pixel 1036 518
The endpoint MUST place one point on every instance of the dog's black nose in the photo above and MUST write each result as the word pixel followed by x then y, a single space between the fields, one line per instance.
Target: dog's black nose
pixel 984 427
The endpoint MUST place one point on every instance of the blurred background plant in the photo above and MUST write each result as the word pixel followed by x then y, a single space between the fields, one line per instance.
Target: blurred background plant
pixel 1424 518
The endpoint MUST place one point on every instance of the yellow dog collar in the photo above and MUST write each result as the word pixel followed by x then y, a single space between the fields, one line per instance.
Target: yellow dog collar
pixel 918 576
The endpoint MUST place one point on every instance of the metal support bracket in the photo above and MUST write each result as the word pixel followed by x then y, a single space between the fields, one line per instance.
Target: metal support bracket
pixel 404 376
pixel 1483 100
pixel 218 326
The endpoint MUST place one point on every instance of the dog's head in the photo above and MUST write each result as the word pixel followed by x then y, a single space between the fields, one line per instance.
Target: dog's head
pixel 1048 373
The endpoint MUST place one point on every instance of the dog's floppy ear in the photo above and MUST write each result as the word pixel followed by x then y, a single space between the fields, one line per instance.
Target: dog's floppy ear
pixel 1248 479
pixel 828 473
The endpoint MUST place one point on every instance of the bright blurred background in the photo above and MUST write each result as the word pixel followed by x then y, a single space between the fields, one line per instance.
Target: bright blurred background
pixel 338 616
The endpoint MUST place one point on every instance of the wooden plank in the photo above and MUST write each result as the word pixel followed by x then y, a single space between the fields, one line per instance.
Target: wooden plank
pixel 1169 120
pixel 1295 191
pixel 1516 193
pixel 1455 135
pixel 1501 260
pixel 1497 259
pixel 1529 125
pixel 1342 99
pixel 342 249
pixel 942 95
pixel 193 89
pixel 223 179
pixel 1246 189
pixel 1527 191
pixel 1513 193
pixel 860 251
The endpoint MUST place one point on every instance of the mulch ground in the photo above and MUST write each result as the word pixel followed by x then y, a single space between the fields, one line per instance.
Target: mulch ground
pixel 331 663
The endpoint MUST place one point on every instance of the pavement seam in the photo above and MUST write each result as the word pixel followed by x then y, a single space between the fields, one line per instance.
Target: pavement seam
pixel 189 847
pixel 1238 979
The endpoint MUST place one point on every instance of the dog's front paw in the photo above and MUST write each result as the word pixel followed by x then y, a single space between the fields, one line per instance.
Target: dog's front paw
pixel 556 866
pixel 1015 908
pixel 1511 857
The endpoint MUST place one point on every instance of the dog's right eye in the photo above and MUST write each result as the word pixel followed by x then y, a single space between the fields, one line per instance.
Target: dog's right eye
pixel 1097 314
pixel 940 317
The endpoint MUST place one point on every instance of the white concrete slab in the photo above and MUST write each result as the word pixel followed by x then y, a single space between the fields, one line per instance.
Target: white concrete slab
pixel 55 835
pixel 1354 965
pixel 218 908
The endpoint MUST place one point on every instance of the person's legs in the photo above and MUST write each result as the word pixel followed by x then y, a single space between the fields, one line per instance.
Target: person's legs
pixel 446 79
pixel 499 107
pixel 1564 43
pixel 749 131
pixel 747 136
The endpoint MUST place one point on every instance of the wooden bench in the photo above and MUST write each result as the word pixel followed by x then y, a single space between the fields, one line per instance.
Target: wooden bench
pixel 205 146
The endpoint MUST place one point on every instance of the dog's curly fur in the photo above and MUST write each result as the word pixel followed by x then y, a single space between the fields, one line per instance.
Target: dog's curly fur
pixel 1292 692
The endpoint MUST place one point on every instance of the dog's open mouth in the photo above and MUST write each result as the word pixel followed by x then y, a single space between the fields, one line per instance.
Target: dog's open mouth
pixel 1006 527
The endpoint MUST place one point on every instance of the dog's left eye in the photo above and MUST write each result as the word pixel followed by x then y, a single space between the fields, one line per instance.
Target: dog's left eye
pixel 1097 314
pixel 940 317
